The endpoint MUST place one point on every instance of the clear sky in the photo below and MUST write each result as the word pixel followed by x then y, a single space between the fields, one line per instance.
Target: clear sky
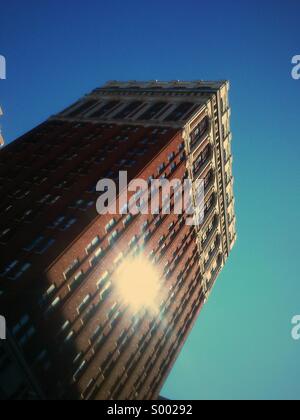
pixel 241 347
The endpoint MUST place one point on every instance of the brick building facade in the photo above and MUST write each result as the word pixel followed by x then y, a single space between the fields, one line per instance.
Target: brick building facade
pixel 60 258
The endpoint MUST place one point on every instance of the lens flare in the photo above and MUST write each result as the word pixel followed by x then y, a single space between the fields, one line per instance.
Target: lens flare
pixel 137 282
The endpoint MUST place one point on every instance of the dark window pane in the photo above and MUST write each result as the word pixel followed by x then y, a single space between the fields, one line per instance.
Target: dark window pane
pixel 152 111
pixel 104 109
pixel 84 107
pixel 128 110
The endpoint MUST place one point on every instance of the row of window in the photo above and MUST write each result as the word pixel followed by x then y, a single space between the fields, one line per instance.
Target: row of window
pixel 198 133
pixel 15 269
pixel 201 159
pixel 207 234
pixel 51 199
pixel 41 244
pixel 79 277
pixel 152 389
pixel 98 336
pixel 92 109
pixel 23 330
pixel 160 346
pixel 211 252
pixel 122 340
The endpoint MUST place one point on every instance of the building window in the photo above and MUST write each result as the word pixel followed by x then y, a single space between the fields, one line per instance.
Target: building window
pixel 77 358
pixel 39 179
pixel 125 113
pixel 103 280
pixel 69 223
pixel 69 337
pixel 119 258
pixel 54 200
pixel 127 220
pixel 22 322
pixel 104 109
pixel 113 237
pixel 96 257
pixel 45 199
pixel 105 292
pixel 145 226
pixel 9 267
pixel 146 236
pixel 22 270
pixel 181 147
pixel 161 168
pixel 110 225
pixel 161 240
pixel 45 246
pixel 157 220
pixel 153 111
pixel 65 326
pixel 90 248
pixel 79 371
pixel 171 226
pixel 49 292
pixel 72 267
pixel 27 216
pixel 173 167
pixel 27 336
pixel 53 305
pixel 133 242
pixel 78 279
pixel 171 156
pixel 83 205
pixel 179 112
pixel 63 223
pixel 130 163
pixel 57 222
pixel 49 199
pixel 202 158
pixel 40 245
pixel 112 310
pixel 41 356
pixel 200 131
pixel 35 243
pixel 20 195
pixel 82 108
pixel 83 304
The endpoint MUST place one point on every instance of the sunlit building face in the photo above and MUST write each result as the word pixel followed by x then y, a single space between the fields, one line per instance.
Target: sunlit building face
pixel 138 283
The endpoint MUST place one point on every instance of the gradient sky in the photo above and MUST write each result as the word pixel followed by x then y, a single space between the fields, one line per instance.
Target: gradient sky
pixel 58 50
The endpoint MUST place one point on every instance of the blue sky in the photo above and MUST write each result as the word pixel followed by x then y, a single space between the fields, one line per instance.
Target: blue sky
pixel 56 51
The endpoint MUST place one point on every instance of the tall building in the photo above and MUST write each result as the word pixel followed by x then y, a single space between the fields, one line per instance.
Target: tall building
pixel 77 333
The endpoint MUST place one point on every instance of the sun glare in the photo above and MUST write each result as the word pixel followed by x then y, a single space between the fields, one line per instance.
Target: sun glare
pixel 137 281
